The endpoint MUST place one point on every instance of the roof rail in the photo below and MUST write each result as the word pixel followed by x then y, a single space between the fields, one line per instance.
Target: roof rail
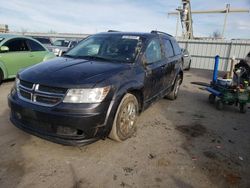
pixel 160 32
pixel 113 31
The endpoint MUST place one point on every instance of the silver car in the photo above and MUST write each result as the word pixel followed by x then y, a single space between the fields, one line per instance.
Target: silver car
pixel 187 59
pixel 59 47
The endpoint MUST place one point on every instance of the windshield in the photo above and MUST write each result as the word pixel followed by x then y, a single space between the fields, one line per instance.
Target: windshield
pixel 119 48
pixel 1 39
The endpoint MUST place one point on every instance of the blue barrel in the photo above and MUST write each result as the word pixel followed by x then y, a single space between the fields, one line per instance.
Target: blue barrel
pixel 216 65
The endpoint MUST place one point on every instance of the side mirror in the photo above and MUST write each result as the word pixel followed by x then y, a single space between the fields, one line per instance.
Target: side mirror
pixel 4 49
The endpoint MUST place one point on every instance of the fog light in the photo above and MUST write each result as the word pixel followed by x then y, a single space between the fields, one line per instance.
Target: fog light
pixel 18 115
pixel 66 130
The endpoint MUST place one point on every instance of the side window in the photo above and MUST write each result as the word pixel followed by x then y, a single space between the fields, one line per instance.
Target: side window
pixel 169 52
pixel 177 49
pixel 34 46
pixel 153 51
pixel 17 45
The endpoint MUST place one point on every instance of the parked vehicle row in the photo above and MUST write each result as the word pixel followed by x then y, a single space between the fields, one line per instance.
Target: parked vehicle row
pixel 98 88
pixel 59 46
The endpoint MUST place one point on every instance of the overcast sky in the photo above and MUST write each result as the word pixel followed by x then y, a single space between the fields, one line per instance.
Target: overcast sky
pixel 91 16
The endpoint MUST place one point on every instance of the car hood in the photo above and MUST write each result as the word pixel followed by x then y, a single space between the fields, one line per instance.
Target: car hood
pixel 71 73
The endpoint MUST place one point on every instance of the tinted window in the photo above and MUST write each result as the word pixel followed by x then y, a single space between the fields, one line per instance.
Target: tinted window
pixel 73 44
pixel 169 52
pixel 43 40
pixel 63 43
pixel 153 51
pixel 177 49
pixel 17 45
pixel 34 46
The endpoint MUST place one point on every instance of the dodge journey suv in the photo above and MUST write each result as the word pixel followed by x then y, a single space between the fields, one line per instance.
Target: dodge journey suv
pixel 98 88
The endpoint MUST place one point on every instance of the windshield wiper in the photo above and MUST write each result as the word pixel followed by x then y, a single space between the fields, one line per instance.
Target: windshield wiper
pixel 95 58
pixel 71 56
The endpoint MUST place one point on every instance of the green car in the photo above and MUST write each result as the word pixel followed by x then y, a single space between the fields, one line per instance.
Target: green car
pixel 19 52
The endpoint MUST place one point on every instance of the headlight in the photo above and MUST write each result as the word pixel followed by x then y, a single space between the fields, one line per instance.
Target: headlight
pixel 17 82
pixel 94 95
pixel 15 87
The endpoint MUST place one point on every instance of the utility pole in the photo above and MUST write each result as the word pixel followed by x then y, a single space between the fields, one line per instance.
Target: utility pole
pixel 185 15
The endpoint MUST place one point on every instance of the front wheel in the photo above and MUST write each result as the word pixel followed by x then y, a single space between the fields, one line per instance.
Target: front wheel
pixel 124 125
pixel 219 104
pixel 174 93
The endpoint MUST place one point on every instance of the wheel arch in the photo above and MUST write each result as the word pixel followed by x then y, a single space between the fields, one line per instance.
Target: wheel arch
pixel 4 70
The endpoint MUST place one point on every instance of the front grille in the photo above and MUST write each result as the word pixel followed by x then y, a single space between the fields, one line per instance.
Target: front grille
pixel 25 94
pixel 47 100
pixel 40 94
pixel 52 89
pixel 26 84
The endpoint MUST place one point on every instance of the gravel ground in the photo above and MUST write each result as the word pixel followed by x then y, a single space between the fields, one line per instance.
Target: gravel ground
pixel 182 143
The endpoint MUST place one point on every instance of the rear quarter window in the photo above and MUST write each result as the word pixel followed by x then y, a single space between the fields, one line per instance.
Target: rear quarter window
pixel 177 49
pixel 34 46
pixel 168 48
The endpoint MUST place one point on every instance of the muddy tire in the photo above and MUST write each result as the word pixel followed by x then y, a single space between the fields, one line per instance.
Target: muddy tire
pixel 124 125
pixel 219 105
pixel 174 93
pixel 211 98
pixel 243 108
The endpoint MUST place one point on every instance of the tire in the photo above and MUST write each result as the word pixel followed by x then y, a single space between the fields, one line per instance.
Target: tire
pixel 1 76
pixel 243 108
pixel 211 98
pixel 124 124
pixel 219 105
pixel 189 66
pixel 174 93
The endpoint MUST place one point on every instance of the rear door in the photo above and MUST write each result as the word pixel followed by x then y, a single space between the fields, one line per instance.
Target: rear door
pixel 171 60
pixel 177 58
pixel 17 57
pixel 154 75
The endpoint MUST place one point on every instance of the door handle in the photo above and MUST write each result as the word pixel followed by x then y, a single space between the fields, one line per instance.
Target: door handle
pixel 163 66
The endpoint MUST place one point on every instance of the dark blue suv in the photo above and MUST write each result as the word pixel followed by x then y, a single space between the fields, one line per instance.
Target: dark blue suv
pixel 98 88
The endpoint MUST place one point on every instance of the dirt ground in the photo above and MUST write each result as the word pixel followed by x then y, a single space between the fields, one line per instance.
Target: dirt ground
pixel 183 143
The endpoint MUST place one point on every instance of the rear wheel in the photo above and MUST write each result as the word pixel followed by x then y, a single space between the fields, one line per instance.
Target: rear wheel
pixel 124 125
pixel 1 76
pixel 243 108
pixel 189 65
pixel 211 98
pixel 174 93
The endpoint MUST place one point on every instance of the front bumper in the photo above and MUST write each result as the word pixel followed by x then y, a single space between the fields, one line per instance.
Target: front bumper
pixel 67 124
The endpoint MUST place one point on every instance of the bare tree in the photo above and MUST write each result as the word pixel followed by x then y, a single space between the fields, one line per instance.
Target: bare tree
pixel 51 31
pixel 216 35
pixel 24 30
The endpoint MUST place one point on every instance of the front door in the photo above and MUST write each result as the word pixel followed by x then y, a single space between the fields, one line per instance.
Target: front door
pixel 154 78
